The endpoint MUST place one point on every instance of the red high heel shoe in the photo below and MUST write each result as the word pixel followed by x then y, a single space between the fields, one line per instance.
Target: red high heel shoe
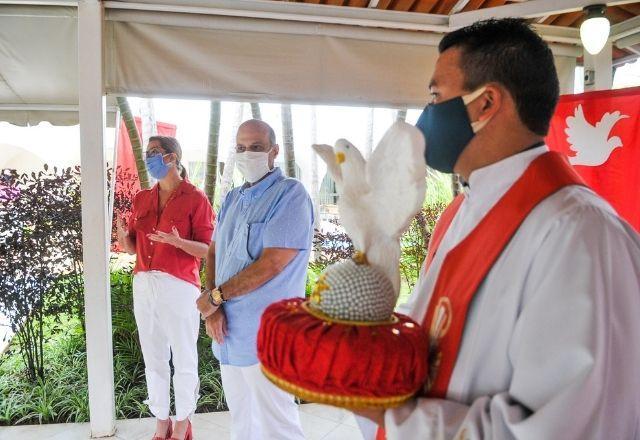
pixel 188 435
pixel 167 435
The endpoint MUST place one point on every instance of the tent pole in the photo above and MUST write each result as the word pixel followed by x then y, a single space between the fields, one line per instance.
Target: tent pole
pixel 598 69
pixel 95 229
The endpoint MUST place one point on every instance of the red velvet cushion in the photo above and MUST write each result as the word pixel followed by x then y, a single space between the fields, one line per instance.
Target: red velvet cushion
pixel 341 364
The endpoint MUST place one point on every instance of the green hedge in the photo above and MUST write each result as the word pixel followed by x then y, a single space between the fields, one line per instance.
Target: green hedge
pixel 63 398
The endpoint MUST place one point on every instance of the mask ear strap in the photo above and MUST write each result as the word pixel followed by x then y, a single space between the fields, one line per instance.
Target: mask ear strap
pixel 177 161
pixel 473 95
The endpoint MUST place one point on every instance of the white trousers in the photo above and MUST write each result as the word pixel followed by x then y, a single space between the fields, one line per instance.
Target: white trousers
pixel 168 324
pixel 259 410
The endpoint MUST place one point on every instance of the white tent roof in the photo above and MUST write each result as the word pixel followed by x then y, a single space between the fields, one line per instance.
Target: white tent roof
pixel 240 50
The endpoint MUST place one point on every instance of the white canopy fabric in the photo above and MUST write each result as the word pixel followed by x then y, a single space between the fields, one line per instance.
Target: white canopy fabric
pixel 162 54
pixel 38 65
pixel 259 60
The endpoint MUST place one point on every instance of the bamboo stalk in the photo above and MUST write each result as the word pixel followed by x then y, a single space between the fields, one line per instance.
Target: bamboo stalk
pixel 212 151
pixel 255 111
pixel 136 144
pixel 287 140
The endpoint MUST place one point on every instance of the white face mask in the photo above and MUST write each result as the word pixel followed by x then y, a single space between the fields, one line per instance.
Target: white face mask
pixel 467 99
pixel 253 165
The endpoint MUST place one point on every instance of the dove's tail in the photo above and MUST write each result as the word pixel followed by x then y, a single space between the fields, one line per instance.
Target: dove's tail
pixel 384 255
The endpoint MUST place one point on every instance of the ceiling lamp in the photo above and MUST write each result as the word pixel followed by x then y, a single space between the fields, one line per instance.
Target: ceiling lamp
pixel 594 30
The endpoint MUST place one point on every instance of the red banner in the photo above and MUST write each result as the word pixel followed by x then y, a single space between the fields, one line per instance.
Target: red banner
pixel 600 132
pixel 127 182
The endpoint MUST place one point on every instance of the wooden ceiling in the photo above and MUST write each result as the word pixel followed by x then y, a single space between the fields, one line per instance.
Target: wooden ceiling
pixel 616 14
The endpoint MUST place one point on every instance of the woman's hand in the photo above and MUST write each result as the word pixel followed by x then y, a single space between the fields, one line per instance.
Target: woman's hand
pixel 121 231
pixel 216 326
pixel 172 238
pixel 124 240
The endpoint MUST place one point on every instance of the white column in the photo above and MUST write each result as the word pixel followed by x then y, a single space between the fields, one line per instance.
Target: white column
pixel 95 230
pixel 601 66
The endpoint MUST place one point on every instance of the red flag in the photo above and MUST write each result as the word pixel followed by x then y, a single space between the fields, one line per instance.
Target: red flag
pixel 600 132
pixel 127 182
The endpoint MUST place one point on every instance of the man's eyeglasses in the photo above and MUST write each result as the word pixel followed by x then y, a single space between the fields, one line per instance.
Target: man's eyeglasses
pixel 255 148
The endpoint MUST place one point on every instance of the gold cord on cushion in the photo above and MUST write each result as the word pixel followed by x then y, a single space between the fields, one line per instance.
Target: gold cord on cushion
pixel 360 257
pixel 349 402
pixel 323 316
pixel 321 286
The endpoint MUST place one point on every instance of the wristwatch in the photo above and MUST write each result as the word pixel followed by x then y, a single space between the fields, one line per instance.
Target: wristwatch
pixel 215 297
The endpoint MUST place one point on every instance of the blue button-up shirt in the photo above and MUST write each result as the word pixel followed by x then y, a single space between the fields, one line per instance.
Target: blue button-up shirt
pixel 274 213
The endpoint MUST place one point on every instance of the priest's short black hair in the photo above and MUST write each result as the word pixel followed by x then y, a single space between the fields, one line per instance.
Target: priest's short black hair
pixel 508 51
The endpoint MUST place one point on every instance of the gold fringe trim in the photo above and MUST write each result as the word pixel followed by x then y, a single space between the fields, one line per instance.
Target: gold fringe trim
pixel 323 316
pixel 349 402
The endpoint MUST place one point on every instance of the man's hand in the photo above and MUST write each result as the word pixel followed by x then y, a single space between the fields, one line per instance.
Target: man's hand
pixel 205 307
pixel 172 238
pixel 216 326
pixel 375 415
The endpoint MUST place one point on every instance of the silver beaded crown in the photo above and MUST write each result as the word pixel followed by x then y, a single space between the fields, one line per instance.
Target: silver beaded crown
pixel 353 290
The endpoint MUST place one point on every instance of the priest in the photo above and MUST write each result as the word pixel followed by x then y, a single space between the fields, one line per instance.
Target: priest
pixel 530 292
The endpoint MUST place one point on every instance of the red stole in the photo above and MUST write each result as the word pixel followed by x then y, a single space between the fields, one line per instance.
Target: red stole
pixel 467 264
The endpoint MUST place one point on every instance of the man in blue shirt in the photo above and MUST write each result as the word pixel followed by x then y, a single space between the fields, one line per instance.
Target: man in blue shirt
pixel 259 255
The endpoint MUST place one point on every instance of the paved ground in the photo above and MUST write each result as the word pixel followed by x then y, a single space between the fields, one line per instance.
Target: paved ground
pixel 319 422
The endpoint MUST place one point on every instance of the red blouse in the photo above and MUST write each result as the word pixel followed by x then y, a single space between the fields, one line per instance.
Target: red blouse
pixel 189 210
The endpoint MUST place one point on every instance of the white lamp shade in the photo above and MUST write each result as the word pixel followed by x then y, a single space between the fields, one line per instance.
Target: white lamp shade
pixel 594 33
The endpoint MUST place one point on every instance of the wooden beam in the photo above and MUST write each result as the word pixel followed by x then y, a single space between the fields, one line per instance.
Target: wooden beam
pixel 403 5
pixel 444 6
pixel 425 6
pixel 617 62
pixel 558 34
pixel 384 4
pixel 529 9
pixel 628 41
pixel 358 3
pixel 494 3
pixel 633 8
pixel 550 19
pixel 618 15
pixel 568 19
pixel 472 5
pixel 625 28
pixel 459 6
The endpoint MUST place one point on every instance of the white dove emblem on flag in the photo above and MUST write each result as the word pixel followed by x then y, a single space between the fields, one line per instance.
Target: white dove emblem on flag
pixel 592 145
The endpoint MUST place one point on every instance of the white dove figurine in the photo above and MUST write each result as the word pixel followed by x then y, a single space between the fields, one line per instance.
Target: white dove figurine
pixel 378 198
pixel 592 145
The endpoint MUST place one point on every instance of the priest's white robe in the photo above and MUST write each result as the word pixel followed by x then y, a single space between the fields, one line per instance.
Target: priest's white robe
pixel 551 346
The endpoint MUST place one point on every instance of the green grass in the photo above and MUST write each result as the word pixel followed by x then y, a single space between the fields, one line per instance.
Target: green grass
pixel 63 396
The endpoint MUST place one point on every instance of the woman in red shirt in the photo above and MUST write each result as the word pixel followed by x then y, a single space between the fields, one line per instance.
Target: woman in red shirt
pixel 170 230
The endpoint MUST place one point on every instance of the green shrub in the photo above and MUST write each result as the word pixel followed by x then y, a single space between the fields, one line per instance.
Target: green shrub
pixel 62 397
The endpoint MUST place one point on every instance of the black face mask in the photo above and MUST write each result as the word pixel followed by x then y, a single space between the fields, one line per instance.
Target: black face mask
pixel 448 130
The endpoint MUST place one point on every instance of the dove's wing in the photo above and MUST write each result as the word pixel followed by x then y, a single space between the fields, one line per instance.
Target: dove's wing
pixel 396 173
pixel 327 154
pixel 580 134
pixel 353 168
pixel 607 122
